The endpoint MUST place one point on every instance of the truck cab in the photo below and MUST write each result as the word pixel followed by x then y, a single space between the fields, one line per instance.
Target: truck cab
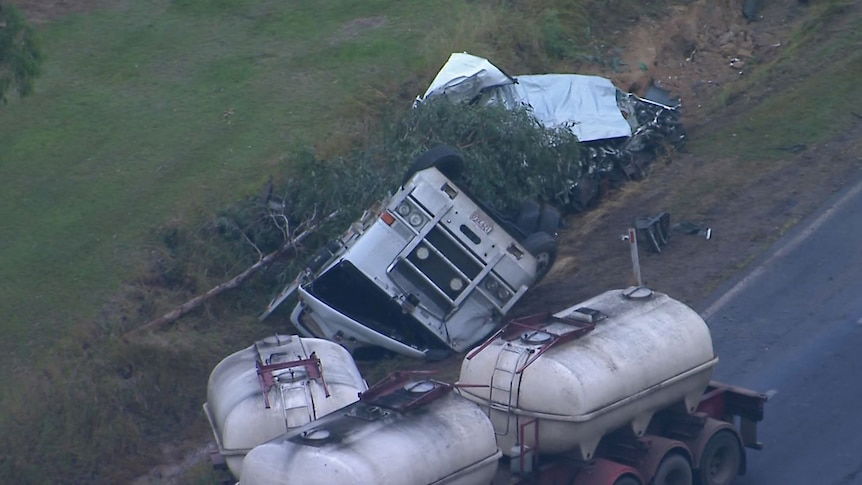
pixel 426 271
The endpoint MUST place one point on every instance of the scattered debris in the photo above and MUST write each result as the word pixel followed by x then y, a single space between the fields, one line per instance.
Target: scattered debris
pixel 653 232
pixel 690 228
pixel 690 57
pixel 751 10
pixel 660 95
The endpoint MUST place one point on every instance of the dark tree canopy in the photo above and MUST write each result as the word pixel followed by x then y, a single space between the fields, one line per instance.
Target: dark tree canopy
pixel 19 53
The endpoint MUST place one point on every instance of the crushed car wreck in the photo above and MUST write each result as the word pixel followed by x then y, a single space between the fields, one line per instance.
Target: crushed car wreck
pixel 621 131
pixel 426 272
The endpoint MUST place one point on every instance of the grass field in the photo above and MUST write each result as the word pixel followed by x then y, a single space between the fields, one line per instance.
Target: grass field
pixel 165 110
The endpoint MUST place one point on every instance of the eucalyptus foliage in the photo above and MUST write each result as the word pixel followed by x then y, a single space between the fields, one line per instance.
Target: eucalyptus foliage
pixel 20 56
pixel 509 157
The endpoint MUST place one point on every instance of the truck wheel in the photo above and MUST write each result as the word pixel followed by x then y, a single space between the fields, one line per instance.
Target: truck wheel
pixel 673 470
pixel 528 216
pixel 719 463
pixel 543 247
pixel 445 158
pixel 627 480
pixel 550 219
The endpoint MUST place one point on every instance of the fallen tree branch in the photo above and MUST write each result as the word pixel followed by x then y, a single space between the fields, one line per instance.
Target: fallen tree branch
pixel 234 282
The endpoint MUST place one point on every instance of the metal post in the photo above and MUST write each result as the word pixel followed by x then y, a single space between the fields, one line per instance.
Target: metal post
pixel 633 246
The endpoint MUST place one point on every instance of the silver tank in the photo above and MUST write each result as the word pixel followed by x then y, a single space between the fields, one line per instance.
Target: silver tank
pixel 611 361
pixel 243 416
pixel 448 440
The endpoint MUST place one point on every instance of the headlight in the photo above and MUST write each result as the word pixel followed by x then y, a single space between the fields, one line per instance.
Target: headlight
pixel 457 284
pixel 422 253
pixel 496 289
pixel 415 220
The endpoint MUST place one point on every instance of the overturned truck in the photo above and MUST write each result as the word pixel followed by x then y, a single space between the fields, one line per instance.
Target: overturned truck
pixel 428 271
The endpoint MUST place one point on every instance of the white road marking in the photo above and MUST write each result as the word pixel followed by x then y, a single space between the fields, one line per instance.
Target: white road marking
pixel 781 252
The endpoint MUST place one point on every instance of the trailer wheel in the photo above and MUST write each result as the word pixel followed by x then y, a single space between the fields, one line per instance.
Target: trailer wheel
pixel 674 469
pixel 627 480
pixel 719 463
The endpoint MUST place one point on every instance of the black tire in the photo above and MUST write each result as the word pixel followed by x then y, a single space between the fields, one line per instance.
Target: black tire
pixel 445 158
pixel 627 480
pixel 751 10
pixel 721 459
pixel 584 193
pixel 550 220
pixel 543 247
pixel 528 216
pixel 674 469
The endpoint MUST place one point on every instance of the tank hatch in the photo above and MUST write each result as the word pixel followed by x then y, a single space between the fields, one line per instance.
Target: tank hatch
pixel 404 390
pixel 396 394
pixel 542 331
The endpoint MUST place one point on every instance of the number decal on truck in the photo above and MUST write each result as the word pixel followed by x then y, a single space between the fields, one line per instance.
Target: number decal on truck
pixel 481 220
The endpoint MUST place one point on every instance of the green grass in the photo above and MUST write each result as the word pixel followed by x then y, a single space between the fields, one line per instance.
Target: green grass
pixel 166 110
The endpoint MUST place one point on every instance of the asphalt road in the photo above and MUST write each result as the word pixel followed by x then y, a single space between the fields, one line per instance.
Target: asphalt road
pixel 793 329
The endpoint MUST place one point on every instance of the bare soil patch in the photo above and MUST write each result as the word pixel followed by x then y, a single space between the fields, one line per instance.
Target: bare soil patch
pixel 698 48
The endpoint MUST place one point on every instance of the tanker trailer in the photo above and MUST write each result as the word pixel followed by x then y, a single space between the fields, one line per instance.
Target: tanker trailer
pixel 620 386
pixel 612 391
pixel 403 431
pixel 279 383
pixel 610 361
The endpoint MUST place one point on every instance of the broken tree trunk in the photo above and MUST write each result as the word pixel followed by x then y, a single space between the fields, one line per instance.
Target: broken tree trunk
pixel 234 282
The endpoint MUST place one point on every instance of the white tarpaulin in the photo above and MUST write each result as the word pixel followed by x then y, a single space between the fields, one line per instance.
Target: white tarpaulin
pixel 464 76
pixel 586 105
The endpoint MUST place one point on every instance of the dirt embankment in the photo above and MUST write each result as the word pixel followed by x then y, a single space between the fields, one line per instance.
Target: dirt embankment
pixel 693 53
pixel 700 47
